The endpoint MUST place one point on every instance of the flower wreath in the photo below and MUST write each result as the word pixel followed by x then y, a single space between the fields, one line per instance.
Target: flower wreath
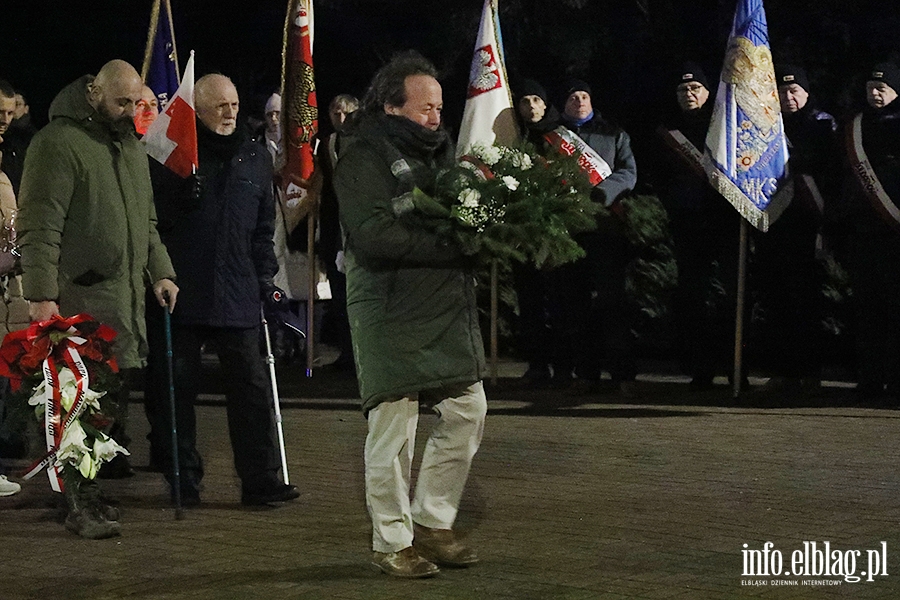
pixel 53 364
pixel 510 203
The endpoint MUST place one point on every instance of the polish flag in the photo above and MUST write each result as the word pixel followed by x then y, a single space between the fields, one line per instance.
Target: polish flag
pixel 488 116
pixel 172 137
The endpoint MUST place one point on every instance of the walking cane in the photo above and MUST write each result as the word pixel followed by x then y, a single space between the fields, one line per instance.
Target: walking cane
pixel 176 470
pixel 270 360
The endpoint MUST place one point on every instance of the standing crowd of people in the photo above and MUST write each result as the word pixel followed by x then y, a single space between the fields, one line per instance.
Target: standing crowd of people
pixel 576 320
pixel 101 229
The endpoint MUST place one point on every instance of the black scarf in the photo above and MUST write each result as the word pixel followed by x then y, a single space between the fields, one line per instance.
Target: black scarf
pixel 410 138
pixel 215 150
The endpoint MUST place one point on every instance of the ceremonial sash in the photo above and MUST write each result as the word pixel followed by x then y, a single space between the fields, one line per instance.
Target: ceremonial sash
pixel 812 197
pixel 686 151
pixel 568 143
pixel 866 177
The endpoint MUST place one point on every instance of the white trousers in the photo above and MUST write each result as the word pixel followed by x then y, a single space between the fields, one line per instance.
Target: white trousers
pixel 445 464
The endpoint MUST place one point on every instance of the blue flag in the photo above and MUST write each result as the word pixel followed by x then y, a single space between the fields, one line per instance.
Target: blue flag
pixel 160 69
pixel 746 157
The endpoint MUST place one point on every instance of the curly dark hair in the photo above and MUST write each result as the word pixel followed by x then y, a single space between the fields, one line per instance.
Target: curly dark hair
pixel 389 83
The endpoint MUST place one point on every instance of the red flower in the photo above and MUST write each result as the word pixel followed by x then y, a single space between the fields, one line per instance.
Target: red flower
pixel 23 352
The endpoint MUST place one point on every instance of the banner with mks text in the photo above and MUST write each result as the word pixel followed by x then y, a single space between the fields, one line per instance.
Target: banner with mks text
pixel 746 156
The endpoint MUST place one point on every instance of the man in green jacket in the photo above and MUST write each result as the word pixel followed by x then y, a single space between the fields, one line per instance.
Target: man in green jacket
pixel 413 320
pixel 88 231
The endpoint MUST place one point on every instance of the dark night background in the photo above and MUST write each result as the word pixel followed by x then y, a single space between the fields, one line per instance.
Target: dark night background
pixel 625 48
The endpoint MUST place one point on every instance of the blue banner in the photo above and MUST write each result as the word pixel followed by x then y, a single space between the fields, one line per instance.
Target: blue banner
pixel 161 73
pixel 746 157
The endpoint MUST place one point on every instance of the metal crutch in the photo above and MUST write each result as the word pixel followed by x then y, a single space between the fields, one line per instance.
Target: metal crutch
pixel 270 360
pixel 176 470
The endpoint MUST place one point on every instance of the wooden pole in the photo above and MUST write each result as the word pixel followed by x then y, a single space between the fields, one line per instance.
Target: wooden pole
pixel 174 46
pixel 310 303
pixel 151 35
pixel 494 286
pixel 739 312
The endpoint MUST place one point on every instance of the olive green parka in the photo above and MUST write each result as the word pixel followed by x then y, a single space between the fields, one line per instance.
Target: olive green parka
pixel 410 293
pixel 87 223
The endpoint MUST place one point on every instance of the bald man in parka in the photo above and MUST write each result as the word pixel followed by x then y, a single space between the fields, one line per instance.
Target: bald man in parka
pixel 88 234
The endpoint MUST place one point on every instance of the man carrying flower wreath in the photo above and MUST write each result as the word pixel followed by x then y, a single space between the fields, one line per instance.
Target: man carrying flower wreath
pixel 413 320
pixel 88 234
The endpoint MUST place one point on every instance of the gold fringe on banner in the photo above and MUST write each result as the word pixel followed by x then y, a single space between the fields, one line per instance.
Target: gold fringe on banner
pixel 760 219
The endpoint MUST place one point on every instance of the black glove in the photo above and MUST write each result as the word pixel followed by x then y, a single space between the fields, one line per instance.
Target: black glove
pixel 277 308
pixel 191 191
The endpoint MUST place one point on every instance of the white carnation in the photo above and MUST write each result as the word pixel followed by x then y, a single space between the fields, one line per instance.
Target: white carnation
pixel 511 182
pixel 469 198
pixel 489 154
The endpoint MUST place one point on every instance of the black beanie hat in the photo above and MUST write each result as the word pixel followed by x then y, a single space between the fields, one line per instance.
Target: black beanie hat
pixel 691 71
pixel 577 85
pixel 530 87
pixel 887 72
pixel 788 74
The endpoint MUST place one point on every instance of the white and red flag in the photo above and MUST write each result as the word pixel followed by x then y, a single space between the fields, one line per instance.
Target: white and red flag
pixel 488 117
pixel 172 138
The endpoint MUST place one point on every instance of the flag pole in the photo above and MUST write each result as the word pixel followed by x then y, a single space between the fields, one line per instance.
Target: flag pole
pixel 310 303
pixel 739 312
pixel 151 36
pixel 494 286
pixel 174 47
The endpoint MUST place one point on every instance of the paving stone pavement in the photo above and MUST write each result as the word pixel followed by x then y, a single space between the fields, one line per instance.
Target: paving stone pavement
pixel 570 497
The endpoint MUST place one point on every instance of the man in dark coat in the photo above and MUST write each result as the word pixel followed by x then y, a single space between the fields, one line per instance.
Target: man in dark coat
pixel 413 319
pixel 874 155
pixel 705 231
pixel 219 235
pixel 604 326
pixel 786 272
pixel 543 296
pixel 13 141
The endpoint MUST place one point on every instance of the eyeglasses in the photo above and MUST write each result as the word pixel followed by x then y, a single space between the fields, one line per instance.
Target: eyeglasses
pixel 691 88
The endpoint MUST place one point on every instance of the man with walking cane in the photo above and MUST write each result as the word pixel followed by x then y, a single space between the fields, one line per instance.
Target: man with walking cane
pixel 218 227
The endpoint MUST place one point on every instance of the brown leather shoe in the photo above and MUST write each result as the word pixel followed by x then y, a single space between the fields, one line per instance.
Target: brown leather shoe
pixel 441 546
pixel 405 563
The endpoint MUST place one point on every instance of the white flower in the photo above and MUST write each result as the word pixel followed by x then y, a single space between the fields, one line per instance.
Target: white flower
pixel 68 389
pixel 520 160
pixel 88 466
pixel 489 154
pixel 511 182
pixel 37 397
pixel 106 448
pixel 469 198
pixel 73 446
